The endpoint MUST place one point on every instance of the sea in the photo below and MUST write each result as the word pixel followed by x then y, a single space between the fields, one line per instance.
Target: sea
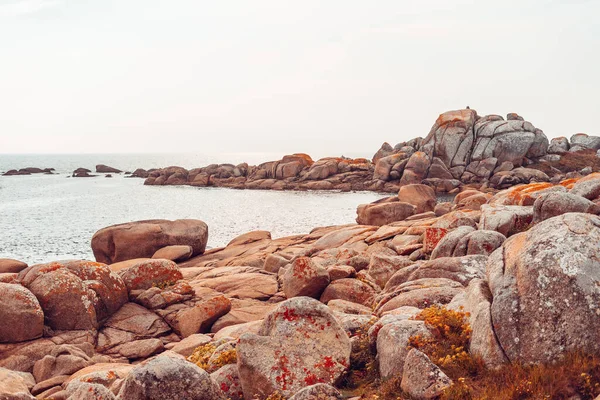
pixel 46 218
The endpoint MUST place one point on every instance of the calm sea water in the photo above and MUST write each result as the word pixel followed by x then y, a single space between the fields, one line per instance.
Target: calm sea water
pixel 53 217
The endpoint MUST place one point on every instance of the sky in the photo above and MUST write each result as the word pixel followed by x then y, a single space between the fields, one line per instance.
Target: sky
pixel 325 77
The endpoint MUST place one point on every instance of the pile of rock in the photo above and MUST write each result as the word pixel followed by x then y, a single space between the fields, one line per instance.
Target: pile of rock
pixel 264 316
pixel 29 171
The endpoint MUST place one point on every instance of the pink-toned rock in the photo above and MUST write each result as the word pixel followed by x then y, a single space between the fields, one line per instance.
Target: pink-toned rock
pixel 110 289
pixel 352 290
pixel 21 314
pixel 68 303
pixel 150 273
pixel 227 379
pixel 11 266
pixel 299 344
pixel 235 331
pixel 382 267
pixel 546 297
pixel 422 379
pixel 131 322
pixel 305 278
pixel 241 315
pixel 164 378
pixel 174 253
pixel 393 345
pixel 15 385
pixel 379 214
pixel 187 346
pixel 320 391
pixel 195 316
pixel 421 196
pixel 238 282
pixel 142 239
pixel 340 272
pixel 250 237
pixel 63 360
pixel 432 237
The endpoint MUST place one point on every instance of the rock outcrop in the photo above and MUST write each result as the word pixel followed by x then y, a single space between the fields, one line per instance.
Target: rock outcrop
pixel 143 239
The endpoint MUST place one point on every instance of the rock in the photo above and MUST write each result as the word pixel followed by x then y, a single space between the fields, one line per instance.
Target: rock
pixel 21 314
pixel 82 173
pixel 11 266
pixel 67 301
pixel 421 196
pixel 150 273
pixel 559 145
pixel 106 374
pixel 167 378
pixel 546 299
pixel 416 169
pixel 240 315
pixel 431 237
pixel 65 359
pixel 227 379
pixel 382 267
pixel 197 315
pixel 459 269
pixel 15 385
pixel 477 302
pixel 299 344
pixel 422 379
pixel 104 169
pixel 446 246
pixel 352 290
pixel 320 391
pixel 442 208
pixel 274 262
pixel 451 137
pixel 393 345
pixel 552 204
pixel 187 346
pixel 48 384
pixel 174 253
pixel 479 242
pixel 585 141
pixel 416 294
pixel 110 291
pixel 385 150
pixel 131 322
pixel 305 278
pixel 143 238
pixel 348 307
pixel 384 213
pixel 507 220
pixel 587 188
pixel 238 282
pixel 90 391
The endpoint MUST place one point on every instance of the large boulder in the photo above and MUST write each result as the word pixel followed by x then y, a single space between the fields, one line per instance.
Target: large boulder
pixel 585 141
pixel 149 273
pixel 384 213
pixel 105 169
pixel 479 242
pixel 552 204
pixel 305 278
pixel 393 345
pixel 451 138
pixel 422 379
pixel 169 378
pixel 421 196
pixel 68 302
pixel 21 315
pixel 546 297
pixel 299 344
pixel 142 239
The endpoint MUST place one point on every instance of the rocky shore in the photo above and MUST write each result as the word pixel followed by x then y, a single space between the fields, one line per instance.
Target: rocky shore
pixel 461 149
pixel 419 300
pixel 492 295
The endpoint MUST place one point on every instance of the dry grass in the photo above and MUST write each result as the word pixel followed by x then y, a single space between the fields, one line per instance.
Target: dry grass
pixel 571 162
pixel 576 376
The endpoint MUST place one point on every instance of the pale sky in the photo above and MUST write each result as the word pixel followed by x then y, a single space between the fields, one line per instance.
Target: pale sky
pixel 318 76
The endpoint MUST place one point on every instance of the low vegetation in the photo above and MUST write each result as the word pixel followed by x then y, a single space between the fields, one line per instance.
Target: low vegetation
pixel 575 376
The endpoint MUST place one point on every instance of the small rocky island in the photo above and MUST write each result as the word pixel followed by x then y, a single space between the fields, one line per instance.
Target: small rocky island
pixel 494 294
